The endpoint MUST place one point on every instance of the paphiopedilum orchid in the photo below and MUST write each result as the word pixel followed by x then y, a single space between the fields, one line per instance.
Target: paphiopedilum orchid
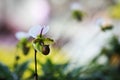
pixel 23 42
pixel 105 24
pixel 77 11
pixel 40 43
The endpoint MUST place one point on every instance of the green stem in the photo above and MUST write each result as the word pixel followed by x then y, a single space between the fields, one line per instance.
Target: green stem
pixel 36 75
pixel 16 58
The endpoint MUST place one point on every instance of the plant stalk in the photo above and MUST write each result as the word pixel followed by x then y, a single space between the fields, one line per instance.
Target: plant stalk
pixel 35 74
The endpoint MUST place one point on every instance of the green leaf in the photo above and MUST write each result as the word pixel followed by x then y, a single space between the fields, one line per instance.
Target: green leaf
pixel 53 71
pixel 25 50
pixel 37 46
pixel 23 45
pixel 77 14
pixel 105 28
pixel 20 69
pixel 48 41
pixel 22 42
pixel 6 74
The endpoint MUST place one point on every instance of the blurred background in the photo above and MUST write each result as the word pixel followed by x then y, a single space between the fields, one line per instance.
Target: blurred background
pixel 86 39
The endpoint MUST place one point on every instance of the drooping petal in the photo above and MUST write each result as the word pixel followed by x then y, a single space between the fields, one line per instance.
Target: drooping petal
pixel 20 35
pixel 36 30
pixel 45 29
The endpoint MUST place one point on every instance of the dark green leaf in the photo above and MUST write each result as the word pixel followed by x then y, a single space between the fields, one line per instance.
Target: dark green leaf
pixel 20 69
pixel 77 15
pixel 48 41
pixel 105 28
pixel 25 50
pixel 37 46
pixel 6 74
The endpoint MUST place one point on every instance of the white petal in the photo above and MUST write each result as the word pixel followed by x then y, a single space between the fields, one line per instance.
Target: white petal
pixel 20 35
pixel 76 6
pixel 103 21
pixel 45 29
pixel 36 30
pixel 100 22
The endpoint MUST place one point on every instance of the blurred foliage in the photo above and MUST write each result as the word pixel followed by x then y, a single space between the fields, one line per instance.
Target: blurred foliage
pixel 115 11
pixel 5 73
pixel 16 74
pixel 111 69
pixel 108 27
pixel 23 44
pixel 21 68
pixel 58 71
pixel 56 67
pixel 78 15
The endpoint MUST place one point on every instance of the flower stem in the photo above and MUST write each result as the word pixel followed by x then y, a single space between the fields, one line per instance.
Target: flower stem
pixel 41 32
pixel 35 74
pixel 16 58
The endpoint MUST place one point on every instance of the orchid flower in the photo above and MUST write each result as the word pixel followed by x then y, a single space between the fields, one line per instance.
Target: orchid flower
pixel 77 11
pixel 105 24
pixel 38 31
pixel 40 43
pixel 23 42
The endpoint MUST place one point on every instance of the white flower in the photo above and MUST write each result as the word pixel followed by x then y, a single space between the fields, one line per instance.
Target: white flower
pixel 33 32
pixel 20 35
pixel 36 30
pixel 76 6
pixel 103 22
